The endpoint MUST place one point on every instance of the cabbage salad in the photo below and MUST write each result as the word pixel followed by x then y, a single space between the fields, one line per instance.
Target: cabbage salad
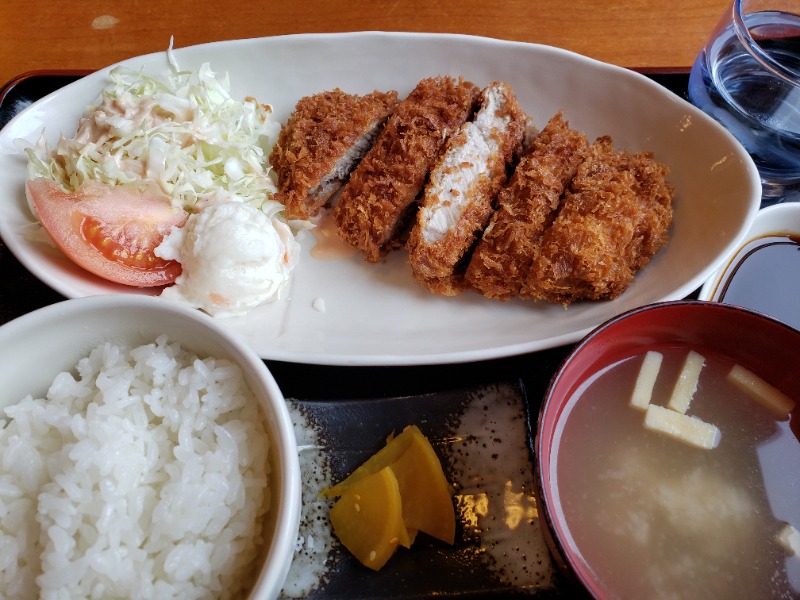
pixel 203 148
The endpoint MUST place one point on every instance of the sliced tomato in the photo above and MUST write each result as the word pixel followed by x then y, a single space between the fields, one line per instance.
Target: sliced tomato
pixel 110 231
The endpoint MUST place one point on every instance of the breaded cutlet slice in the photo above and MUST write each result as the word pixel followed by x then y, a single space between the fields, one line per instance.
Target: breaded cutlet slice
pixel 374 205
pixel 614 219
pixel 525 206
pixel 457 203
pixel 322 142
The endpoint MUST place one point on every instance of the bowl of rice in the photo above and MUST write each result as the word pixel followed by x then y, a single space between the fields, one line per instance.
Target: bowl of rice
pixel 144 452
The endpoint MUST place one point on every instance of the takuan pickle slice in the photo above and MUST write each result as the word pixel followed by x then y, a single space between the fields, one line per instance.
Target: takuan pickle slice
pixel 424 498
pixel 368 519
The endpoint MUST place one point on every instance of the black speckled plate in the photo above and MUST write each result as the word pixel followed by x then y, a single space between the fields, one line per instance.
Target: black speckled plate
pixel 482 435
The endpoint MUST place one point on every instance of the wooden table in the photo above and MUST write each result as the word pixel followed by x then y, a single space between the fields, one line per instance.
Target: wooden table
pixel 642 34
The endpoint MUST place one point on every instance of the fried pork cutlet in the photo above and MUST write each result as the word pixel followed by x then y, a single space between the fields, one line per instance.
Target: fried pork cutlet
pixel 615 217
pixel 457 203
pixel 376 200
pixel 324 139
pixel 500 263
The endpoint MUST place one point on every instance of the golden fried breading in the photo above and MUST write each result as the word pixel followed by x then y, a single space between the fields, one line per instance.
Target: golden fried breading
pixel 322 142
pixel 615 217
pixel 458 199
pixel 376 200
pixel 500 263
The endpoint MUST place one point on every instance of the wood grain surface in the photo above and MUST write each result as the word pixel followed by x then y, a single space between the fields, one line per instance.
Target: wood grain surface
pixel 90 34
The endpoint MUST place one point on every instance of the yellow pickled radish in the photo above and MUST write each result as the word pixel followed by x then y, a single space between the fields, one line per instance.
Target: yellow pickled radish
pixel 395 446
pixel 426 495
pixel 423 500
pixel 368 518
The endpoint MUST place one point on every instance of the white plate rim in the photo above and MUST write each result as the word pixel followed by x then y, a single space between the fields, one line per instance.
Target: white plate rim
pixel 389 358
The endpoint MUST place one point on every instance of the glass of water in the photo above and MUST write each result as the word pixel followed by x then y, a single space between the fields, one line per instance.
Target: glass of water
pixel 747 77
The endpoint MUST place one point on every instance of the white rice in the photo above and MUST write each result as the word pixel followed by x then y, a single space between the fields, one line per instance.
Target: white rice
pixel 144 474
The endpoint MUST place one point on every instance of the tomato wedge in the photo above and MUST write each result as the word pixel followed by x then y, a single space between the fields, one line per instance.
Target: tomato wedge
pixel 110 231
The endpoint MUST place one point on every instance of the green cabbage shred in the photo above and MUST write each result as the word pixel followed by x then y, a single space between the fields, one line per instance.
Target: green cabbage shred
pixel 185 132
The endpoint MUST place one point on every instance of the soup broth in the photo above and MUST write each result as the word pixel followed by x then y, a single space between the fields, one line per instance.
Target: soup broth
pixel 654 517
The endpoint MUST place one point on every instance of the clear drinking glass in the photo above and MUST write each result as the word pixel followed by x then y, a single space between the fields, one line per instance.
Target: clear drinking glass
pixel 747 77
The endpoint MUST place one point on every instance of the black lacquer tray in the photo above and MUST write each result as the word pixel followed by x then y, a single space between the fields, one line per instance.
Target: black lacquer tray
pixel 355 407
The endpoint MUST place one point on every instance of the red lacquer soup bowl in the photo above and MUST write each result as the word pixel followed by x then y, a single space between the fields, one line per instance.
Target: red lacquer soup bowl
pixel 629 510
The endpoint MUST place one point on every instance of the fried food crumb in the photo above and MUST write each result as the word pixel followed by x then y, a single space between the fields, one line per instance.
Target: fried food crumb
pixel 458 200
pixel 614 218
pixel 568 220
pixel 374 206
pixel 502 259
pixel 323 140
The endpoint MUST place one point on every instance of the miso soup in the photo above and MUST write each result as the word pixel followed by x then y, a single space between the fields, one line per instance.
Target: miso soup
pixel 654 517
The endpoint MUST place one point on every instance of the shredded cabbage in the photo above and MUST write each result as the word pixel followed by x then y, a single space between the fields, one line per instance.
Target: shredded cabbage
pixel 184 132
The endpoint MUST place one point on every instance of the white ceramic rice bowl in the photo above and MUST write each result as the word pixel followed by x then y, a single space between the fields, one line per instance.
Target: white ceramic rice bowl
pixel 36 347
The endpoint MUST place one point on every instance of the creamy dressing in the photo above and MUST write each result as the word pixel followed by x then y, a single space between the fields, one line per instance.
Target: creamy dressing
pixel 328 245
pixel 184 132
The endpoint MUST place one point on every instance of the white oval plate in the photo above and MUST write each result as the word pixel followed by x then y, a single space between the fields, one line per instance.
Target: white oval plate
pixel 377 315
